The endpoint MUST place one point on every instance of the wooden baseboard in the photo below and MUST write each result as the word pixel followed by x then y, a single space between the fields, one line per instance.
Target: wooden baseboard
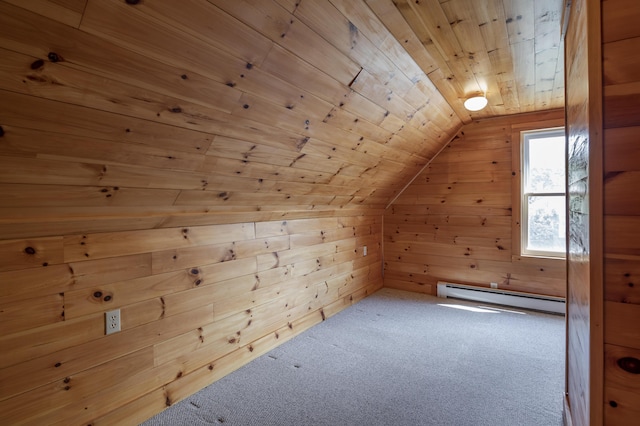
pixel 566 412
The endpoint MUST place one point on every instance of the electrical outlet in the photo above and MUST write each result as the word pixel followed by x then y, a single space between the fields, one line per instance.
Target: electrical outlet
pixel 364 251
pixel 494 285
pixel 112 321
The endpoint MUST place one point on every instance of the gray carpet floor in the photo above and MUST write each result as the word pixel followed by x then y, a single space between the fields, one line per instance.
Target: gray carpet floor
pixel 397 358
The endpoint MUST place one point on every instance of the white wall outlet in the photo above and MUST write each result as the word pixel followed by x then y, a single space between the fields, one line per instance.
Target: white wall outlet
pixel 112 321
pixel 364 250
pixel 494 285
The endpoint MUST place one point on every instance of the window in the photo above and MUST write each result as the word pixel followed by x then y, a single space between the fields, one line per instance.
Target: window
pixel 543 207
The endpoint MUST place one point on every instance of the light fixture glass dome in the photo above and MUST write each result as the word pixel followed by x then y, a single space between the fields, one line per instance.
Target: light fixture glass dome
pixel 476 103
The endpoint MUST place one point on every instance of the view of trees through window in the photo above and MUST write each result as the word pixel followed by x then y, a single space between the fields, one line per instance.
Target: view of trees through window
pixel 544 193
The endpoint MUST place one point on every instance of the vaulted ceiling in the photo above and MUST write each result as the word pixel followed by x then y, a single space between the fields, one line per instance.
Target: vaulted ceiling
pixel 132 114
pixel 511 50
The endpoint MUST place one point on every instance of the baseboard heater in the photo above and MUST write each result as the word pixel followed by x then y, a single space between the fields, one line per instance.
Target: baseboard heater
pixel 502 297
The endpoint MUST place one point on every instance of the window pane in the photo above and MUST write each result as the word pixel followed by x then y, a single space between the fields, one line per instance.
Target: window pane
pixel 546 217
pixel 546 164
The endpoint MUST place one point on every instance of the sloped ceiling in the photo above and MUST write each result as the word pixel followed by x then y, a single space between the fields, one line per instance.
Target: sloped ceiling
pixel 510 50
pixel 132 114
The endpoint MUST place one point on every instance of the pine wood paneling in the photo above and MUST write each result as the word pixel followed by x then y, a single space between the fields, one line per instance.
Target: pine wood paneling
pixel 454 222
pixel 31 313
pixel 621 386
pixel 116 107
pixel 585 351
pixel 53 118
pixel 509 49
pixel 189 297
pixel 66 11
pixel 622 212
pixel 97 246
pixel 214 170
pixel 188 165
pixel 24 254
pixel 621 276
pixel 618 17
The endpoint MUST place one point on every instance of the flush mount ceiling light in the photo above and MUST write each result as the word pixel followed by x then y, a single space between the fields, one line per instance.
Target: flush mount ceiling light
pixel 476 103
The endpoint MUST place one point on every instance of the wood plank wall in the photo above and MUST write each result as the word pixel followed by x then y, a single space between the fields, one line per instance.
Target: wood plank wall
pixel 455 223
pixel 211 168
pixel 196 303
pixel 584 178
pixel 620 47
pixel 204 112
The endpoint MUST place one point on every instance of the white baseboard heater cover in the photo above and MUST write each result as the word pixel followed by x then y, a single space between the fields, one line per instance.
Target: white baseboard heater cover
pixel 502 297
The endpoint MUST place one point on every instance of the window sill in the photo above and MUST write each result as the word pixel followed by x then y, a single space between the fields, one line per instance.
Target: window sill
pixel 543 256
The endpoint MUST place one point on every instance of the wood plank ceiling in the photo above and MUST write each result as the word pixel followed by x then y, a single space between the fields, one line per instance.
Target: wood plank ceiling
pixel 169 113
pixel 509 49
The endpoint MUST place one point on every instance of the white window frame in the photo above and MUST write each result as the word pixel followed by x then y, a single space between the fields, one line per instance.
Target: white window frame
pixel 525 136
